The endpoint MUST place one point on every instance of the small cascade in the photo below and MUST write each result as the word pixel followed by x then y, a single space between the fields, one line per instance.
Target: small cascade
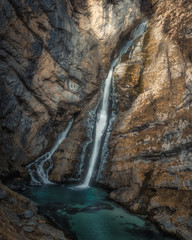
pixel 89 123
pixel 102 121
pixel 90 127
pixel 39 169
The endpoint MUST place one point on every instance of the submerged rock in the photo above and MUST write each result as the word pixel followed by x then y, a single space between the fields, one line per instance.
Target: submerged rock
pixel 97 207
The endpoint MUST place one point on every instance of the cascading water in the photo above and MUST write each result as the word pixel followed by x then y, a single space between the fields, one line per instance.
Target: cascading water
pixel 38 171
pixel 105 150
pixel 102 114
pixel 90 126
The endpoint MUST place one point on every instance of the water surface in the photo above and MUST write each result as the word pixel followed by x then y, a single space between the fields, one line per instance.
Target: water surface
pixel 88 214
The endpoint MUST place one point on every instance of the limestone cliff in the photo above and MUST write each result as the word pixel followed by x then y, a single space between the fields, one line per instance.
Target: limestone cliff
pixel 54 56
pixel 150 161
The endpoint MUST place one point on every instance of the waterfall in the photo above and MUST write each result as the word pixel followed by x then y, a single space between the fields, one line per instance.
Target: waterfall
pixel 112 117
pixel 38 170
pixel 102 113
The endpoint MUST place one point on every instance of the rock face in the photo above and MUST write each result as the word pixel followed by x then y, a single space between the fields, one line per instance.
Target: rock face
pixel 19 219
pixel 150 161
pixel 54 56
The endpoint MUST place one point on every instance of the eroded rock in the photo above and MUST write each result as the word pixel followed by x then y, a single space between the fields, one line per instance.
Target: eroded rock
pixel 55 56
pixel 149 166
pixel 22 221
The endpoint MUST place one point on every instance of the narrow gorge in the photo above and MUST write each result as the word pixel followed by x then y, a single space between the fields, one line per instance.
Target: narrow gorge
pixel 96 94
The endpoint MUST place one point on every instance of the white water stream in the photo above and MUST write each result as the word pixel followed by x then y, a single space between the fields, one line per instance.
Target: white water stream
pixel 38 170
pixel 102 115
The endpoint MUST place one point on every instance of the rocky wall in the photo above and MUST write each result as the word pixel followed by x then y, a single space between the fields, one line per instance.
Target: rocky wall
pixel 150 160
pixel 54 56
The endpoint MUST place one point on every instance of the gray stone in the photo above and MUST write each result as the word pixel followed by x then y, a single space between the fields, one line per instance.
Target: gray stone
pixel 28 214
pixel 32 223
pixel 13 201
pixel 28 229
pixel 3 195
